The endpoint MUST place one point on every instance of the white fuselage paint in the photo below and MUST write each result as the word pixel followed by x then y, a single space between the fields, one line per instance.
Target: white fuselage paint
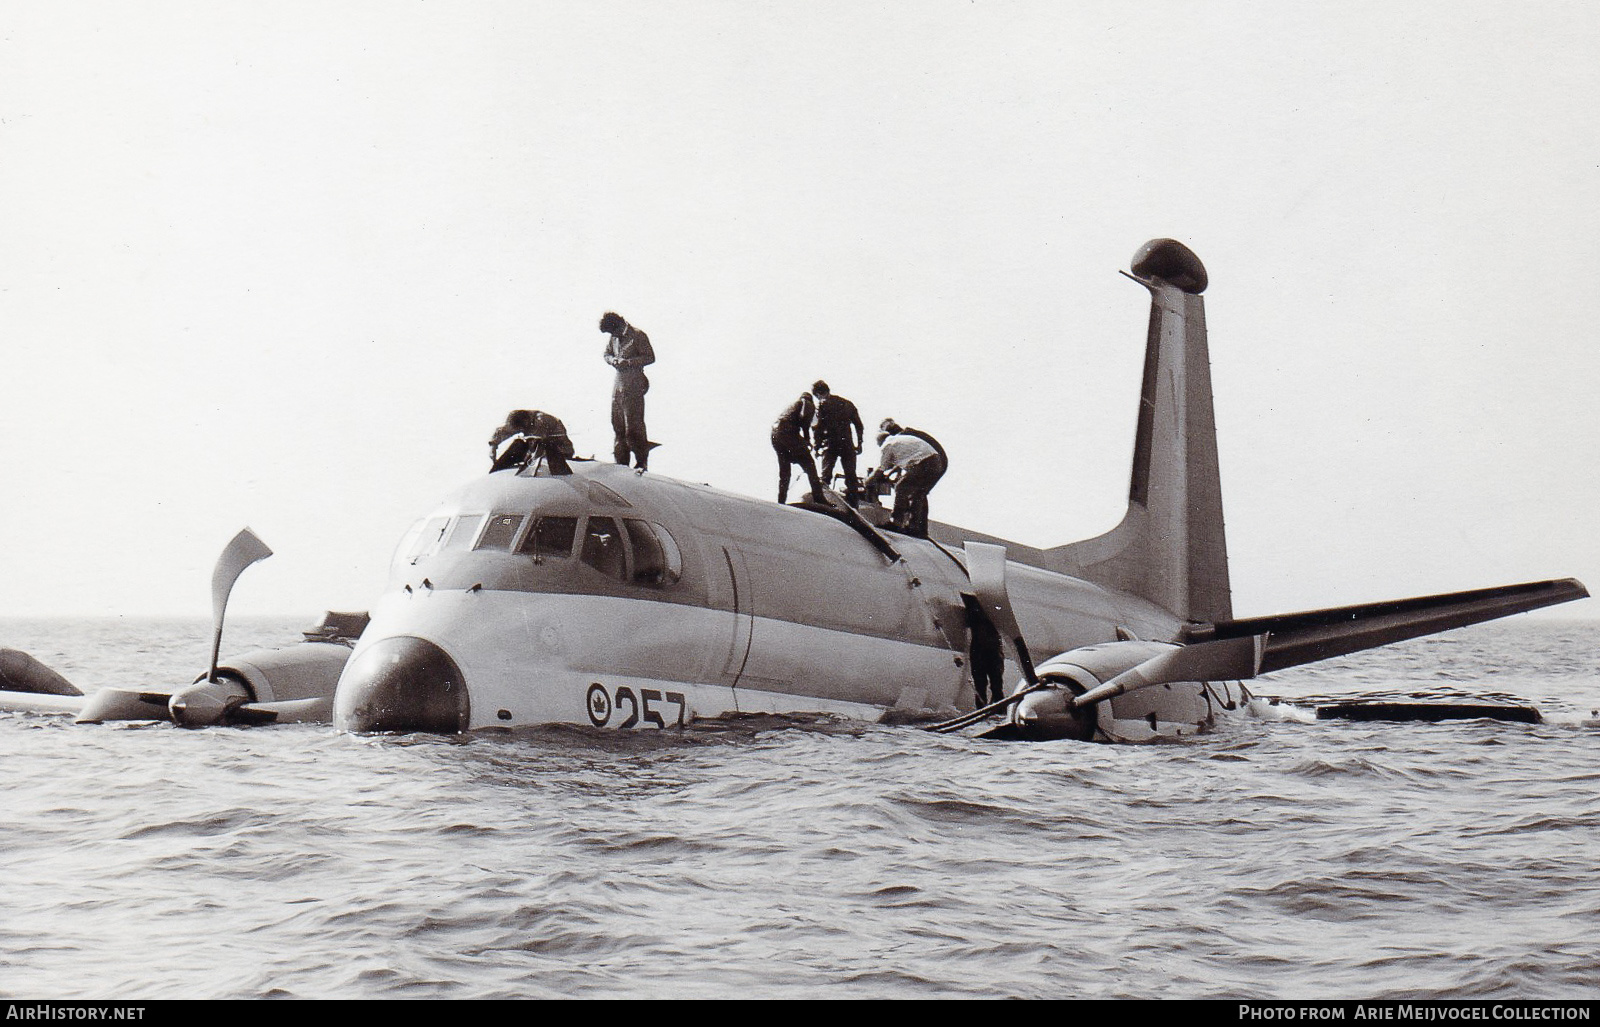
pixel 533 658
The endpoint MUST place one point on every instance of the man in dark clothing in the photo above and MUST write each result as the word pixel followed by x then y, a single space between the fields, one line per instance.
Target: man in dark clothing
pixel 890 426
pixel 984 653
pixel 628 350
pixel 533 433
pixel 837 435
pixel 789 442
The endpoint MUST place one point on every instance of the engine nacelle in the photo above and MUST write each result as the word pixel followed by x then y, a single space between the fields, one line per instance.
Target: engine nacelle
pixel 1167 709
pixel 292 684
pixel 308 669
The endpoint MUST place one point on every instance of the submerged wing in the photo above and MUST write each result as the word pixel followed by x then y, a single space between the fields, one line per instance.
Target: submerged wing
pixel 39 702
pixel 1296 638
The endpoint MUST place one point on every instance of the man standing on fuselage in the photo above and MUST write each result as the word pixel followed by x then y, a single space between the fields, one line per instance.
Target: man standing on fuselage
pixel 837 435
pixel 789 442
pixel 629 352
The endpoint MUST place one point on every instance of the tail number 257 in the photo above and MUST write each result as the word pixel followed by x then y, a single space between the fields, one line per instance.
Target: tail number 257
pixel 603 704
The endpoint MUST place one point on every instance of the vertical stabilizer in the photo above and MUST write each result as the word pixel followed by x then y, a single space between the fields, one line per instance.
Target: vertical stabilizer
pixel 1170 547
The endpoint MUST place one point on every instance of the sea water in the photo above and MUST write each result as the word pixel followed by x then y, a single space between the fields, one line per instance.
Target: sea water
pixel 781 858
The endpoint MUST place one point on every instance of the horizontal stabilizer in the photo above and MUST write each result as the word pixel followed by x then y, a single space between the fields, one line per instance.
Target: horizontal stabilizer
pixel 1431 712
pixel 1296 638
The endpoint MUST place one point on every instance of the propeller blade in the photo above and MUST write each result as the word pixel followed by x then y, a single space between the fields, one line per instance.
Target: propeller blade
pixel 124 704
pixel 316 710
pixel 986 566
pixel 244 550
pixel 956 723
pixel 1230 659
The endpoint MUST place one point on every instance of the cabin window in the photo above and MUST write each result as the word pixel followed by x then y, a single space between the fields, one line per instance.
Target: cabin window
pixel 656 559
pixel 428 538
pixel 550 536
pixel 603 548
pixel 501 530
pixel 464 531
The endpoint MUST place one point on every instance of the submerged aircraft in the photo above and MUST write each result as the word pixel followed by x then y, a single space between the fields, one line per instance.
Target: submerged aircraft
pixel 623 599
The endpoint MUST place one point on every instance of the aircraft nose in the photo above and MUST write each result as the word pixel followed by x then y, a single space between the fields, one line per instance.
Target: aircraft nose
pixel 402 683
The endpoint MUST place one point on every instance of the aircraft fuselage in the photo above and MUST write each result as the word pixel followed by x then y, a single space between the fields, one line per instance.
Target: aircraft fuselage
pixel 620 600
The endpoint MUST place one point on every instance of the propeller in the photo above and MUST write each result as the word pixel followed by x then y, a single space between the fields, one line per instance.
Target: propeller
pixel 209 700
pixel 1048 710
pixel 1228 659
pixel 1057 713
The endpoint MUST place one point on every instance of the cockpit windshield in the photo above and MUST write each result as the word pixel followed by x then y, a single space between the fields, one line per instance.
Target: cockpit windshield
pixel 501 532
pixel 463 531
pixel 624 549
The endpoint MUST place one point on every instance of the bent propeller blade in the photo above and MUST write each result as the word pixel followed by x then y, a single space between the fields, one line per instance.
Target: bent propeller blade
pixel 1228 659
pixel 986 567
pixel 244 550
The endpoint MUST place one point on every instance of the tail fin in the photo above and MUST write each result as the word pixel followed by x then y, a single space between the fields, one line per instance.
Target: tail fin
pixel 1170 547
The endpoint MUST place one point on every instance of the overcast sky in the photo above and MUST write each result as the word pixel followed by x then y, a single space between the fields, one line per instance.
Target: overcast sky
pixel 286 265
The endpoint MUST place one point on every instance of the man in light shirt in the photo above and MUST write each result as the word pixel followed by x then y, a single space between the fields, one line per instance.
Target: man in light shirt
pixel 913 466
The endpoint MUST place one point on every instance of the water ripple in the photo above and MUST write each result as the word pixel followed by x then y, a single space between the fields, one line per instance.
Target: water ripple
pixel 802 857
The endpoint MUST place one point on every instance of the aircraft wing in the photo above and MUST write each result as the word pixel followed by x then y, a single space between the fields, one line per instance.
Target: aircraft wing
pixel 1295 638
pixel 39 702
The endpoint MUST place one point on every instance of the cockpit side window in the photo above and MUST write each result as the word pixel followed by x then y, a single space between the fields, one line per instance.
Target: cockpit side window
pixel 501 531
pixel 603 548
pixel 464 531
pixel 550 536
pixel 656 559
